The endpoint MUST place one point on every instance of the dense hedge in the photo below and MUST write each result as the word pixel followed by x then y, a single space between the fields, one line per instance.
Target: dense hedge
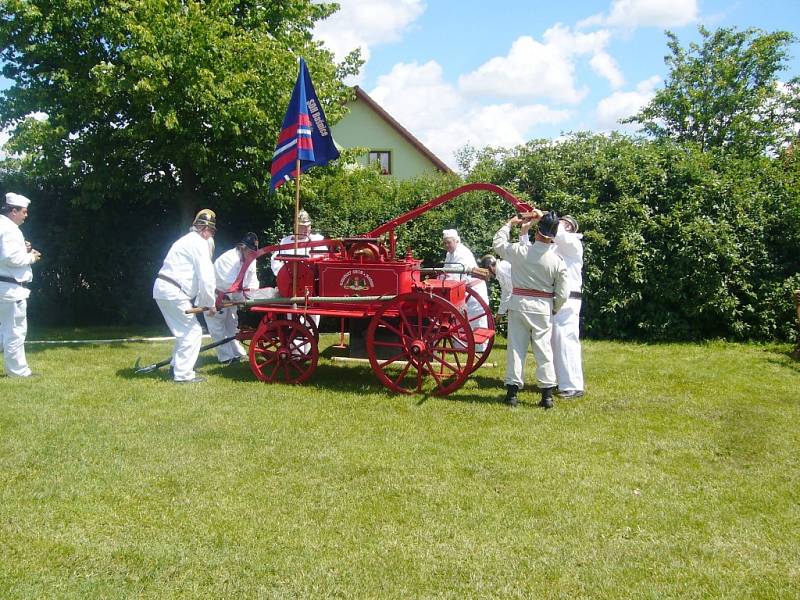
pixel 680 244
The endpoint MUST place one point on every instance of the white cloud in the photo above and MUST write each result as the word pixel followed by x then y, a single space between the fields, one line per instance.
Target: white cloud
pixel 645 13
pixel 543 69
pixel 366 23
pixel 445 120
pixel 605 66
pixel 620 105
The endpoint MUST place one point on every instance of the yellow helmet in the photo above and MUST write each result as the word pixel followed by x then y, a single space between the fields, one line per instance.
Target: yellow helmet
pixel 206 218
pixel 303 218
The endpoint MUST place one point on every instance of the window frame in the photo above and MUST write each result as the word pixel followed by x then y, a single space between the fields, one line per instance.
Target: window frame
pixel 374 156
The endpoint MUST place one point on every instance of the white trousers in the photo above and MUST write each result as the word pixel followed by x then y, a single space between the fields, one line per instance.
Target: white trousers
pixel 188 336
pixel 474 308
pixel 225 324
pixel 567 346
pixel 13 329
pixel 525 328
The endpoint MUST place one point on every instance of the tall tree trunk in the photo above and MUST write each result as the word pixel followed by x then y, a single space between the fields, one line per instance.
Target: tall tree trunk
pixel 189 195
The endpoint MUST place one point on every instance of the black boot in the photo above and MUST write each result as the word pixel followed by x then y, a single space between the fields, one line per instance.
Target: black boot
pixel 511 395
pixel 547 397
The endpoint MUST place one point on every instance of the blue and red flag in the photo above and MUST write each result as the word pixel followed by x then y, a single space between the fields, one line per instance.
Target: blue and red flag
pixel 305 134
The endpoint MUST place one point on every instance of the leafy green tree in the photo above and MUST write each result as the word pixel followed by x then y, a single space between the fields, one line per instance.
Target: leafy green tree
pixel 725 93
pixel 169 98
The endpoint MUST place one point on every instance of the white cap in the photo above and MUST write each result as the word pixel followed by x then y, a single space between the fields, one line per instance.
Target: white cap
pixel 451 233
pixel 17 200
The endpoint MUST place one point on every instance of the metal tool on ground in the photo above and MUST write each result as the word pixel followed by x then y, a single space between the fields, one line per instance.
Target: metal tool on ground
pixel 150 368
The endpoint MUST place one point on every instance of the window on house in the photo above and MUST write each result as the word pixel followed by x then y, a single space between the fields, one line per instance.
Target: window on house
pixel 383 158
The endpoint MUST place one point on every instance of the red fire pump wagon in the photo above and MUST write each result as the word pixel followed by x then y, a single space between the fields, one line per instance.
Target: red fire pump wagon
pixel 418 336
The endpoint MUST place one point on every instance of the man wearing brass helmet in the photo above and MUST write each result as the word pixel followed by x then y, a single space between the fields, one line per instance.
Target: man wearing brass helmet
pixel 303 235
pixel 186 275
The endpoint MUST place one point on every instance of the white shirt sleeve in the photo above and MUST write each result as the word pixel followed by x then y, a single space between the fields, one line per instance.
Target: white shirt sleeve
pixel 250 281
pixel 12 249
pixel 226 269
pixel 204 271
pixel 568 245
pixel 506 285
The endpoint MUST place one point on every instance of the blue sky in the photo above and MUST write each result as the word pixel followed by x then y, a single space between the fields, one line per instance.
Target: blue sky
pixel 489 73
pixel 480 72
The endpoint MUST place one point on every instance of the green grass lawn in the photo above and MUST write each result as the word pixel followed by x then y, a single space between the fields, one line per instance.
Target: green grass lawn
pixel 676 476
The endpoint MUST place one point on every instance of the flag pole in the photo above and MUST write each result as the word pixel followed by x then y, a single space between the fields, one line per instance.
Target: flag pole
pixel 296 224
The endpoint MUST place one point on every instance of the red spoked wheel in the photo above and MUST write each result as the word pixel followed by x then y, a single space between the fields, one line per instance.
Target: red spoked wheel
pixel 483 334
pixel 305 319
pixel 420 343
pixel 308 322
pixel 283 351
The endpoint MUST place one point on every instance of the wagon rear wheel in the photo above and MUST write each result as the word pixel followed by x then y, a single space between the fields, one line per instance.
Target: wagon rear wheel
pixel 420 343
pixel 283 351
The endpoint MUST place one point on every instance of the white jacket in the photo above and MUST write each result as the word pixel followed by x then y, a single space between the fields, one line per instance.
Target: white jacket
pixel 188 263
pixel 533 266
pixel 276 264
pixel 15 261
pixel 463 256
pixel 503 274
pixel 227 268
pixel 570 248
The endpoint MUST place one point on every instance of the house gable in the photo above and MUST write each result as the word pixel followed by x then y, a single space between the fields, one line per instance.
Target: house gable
pixel 368 126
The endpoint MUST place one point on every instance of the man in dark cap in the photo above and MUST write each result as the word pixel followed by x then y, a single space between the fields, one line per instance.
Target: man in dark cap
pixel 225 323
pixel 539 289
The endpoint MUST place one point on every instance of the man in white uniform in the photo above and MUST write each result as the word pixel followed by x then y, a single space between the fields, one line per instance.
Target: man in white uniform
pixel 566 331
pixel 458 253
pixel 225 323
pixel 16 258
pixel 303 235
pixel 539 289
pixel 187 273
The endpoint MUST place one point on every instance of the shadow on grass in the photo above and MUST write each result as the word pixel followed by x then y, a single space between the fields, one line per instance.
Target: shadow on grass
pixel 34 348
pixel 347 378
pixel 792 363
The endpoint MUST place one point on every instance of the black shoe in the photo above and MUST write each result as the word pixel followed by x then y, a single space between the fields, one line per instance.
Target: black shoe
pixel 195 379
pixel 547 397
pixel 511 395
pixel 570 394
pixel 234 361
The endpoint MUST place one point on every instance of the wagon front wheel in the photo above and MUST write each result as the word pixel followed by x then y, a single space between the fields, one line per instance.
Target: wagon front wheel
pixel 283 351
pixel 420 343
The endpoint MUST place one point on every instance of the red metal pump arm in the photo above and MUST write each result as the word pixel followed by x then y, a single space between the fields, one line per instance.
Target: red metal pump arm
pixel 470 187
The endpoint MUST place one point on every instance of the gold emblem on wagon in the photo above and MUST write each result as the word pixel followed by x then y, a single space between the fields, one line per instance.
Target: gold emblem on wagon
pixel 357 281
